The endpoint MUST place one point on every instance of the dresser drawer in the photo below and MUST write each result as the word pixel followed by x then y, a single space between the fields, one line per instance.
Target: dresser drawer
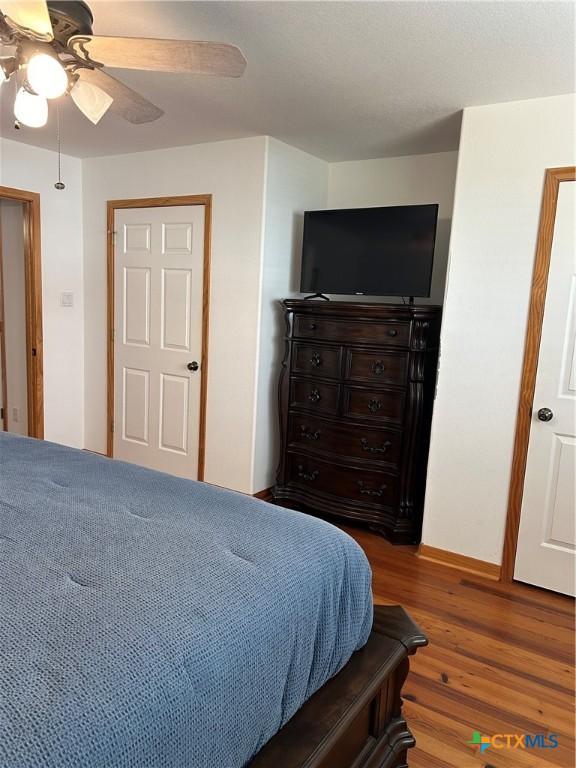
pixel 322 361
pixel 394 334
pixel 380 405
pixel 362 485
pixel 347 440
pixel 314 395
pixel 377 367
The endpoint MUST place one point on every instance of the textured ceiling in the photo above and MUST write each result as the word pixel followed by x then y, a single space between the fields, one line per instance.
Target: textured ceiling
pixel 342 80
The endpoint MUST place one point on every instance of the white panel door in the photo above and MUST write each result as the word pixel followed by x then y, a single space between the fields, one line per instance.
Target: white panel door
pixel 546 541
pixel 158 290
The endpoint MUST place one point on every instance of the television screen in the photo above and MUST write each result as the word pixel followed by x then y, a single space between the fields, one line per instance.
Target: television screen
pixel 369 251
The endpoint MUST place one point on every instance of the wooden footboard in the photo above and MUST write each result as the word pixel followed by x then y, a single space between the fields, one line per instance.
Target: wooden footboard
pixel 355 720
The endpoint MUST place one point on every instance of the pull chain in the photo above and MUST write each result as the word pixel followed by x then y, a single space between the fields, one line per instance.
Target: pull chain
pixel 15 79
pixel 59 184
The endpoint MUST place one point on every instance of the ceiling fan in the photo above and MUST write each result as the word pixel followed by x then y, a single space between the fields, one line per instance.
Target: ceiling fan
pixel 56 53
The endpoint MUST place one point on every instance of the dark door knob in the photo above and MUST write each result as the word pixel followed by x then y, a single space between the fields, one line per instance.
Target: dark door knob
pixel 545 414
pixel 193 366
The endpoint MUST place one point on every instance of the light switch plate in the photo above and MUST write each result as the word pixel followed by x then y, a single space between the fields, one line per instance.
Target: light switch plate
pixel 66 299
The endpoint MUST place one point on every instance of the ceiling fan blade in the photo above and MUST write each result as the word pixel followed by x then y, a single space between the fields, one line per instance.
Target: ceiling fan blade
pixel 196 57
pixel 91 100
pixel 29 16
pixel 126 102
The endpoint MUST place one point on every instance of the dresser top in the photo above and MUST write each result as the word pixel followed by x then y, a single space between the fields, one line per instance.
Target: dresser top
pixel 350 308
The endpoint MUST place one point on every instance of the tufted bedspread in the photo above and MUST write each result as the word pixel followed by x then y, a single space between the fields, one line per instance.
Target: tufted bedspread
pixel 148 621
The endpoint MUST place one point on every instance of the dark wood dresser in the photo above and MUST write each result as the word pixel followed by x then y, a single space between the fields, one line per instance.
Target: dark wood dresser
pixel 356 394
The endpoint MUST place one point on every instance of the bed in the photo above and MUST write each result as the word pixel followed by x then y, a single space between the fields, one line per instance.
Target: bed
pixel 153 622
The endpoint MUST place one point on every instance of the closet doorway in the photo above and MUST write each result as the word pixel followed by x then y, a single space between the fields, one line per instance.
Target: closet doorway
pixel 21 368
pixel 540 542
pixel 158 301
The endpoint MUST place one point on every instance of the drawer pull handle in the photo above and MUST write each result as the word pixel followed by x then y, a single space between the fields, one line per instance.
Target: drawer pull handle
pixel 312 326
pixel 316 360
pixel 371 491
pixel 374 405
pixel 392 332
pixel 308 434
pixel 307 475
pixel 375 449
pixel 378 368
pixel 314 396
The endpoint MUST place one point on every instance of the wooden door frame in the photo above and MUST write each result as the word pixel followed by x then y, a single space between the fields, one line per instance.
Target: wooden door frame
pixel 553 178
pixel 3 377
pixel 33 298
pixel 160 202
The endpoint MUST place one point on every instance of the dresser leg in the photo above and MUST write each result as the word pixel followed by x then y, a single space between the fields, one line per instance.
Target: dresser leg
pixel 395 537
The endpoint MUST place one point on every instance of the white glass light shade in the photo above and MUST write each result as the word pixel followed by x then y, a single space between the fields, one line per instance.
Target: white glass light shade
pixel 91 100
pixel 31 110
pixel 29 14
pixel 46 76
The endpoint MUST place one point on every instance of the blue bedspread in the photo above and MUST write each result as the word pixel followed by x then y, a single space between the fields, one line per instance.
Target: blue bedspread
pixel 148 621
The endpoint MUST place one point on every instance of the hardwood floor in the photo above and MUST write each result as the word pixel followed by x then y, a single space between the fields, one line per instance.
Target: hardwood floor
pixel 500 661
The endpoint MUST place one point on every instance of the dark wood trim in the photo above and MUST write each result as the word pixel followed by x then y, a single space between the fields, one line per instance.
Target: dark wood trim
pixel 160 202
pixel 356 718
pixel 461 562
pixel 33 298
pixel 553 178
pixel 264 495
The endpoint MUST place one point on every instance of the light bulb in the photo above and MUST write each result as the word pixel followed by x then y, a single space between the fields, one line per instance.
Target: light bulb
pixel 46 76
pixel 31 110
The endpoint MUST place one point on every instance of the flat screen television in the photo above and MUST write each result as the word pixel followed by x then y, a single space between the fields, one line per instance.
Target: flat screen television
pixel 369 251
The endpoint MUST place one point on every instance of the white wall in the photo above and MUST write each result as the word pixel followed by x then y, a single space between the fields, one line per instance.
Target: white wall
pixel 34 169
pixel 295 182
pixel 233 172
pixel 13 288
pixel 411 180
pixel 504 151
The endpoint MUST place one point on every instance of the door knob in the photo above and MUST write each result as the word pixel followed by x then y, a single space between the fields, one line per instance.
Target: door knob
pixel 545 414
pixel 193 366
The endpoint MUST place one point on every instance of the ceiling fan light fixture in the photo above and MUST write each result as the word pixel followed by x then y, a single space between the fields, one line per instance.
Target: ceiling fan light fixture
pixel 55 50
pixel 29 16
pixel 92 101
pixel 46 76
pixel 30 109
